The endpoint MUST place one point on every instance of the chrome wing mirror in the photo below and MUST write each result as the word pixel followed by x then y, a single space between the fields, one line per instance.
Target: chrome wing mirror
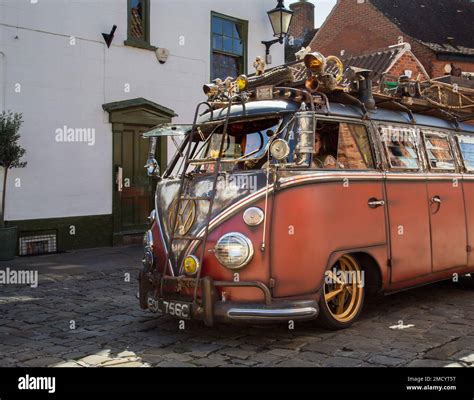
pixel 153 168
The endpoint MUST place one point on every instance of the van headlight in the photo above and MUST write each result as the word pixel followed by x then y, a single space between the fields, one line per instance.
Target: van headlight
pixel 191 265
pixel 234 250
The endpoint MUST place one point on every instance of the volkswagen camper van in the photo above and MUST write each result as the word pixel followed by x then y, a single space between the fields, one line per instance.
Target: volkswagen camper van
pixel 287 203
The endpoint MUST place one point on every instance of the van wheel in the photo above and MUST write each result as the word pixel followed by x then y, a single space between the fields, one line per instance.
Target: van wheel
pixel 342 296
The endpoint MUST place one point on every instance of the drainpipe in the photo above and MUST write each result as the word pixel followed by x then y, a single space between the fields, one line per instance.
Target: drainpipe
pixel 3 80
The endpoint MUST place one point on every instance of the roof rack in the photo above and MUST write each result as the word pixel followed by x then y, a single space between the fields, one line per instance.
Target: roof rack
pixel 288 81
pixel 400 106
pixel 344 97
pixel 467 118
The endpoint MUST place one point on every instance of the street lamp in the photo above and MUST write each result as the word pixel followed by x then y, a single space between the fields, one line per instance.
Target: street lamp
pixel 280 18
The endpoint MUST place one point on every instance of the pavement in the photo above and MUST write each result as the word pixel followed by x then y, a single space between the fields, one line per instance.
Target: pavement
pixel 84 313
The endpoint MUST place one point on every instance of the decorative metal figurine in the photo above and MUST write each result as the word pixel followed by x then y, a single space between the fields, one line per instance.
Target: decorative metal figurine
pixel 259 66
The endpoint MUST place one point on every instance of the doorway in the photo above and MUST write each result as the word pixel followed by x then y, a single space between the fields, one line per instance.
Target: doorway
pixel 133 190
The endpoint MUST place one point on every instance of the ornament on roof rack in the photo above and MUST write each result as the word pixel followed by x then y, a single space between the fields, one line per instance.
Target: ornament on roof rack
pixel 300 55
pixel 321 79
pixel 259 66
pixel 225 89
pixel 452 97
pixel 407 89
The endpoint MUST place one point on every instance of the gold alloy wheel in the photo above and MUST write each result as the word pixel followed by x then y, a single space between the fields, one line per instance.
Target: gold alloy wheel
pixel 343 296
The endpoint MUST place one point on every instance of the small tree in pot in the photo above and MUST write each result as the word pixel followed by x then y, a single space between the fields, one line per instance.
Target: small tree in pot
pixel 10 155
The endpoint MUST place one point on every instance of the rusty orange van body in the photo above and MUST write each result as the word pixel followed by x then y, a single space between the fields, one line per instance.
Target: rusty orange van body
pixel 398 209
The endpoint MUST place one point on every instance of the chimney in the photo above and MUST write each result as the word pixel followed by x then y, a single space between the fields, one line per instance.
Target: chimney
pixel 303 19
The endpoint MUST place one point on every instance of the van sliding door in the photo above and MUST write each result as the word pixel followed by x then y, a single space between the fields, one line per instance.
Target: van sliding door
pixel 466 146
pixel 405 185
pixel 446 204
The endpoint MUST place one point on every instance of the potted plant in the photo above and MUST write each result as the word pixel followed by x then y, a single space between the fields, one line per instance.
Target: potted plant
pixel 10 156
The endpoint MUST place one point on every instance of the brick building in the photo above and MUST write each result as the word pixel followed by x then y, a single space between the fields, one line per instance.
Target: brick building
pixel 301 29
pixel 303 19
pixel 440 32
pixel 392 61
pixel 389 62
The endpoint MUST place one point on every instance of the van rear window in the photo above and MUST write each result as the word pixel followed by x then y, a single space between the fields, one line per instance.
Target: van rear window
pixel 400 147
pixel 466 144
pixel 439 152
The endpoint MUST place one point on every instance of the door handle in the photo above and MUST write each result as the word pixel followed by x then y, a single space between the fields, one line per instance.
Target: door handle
pixel 375 203
pixel 436 199
pixel 119 179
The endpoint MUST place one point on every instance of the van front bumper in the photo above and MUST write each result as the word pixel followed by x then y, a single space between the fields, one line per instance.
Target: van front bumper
pixel 211 310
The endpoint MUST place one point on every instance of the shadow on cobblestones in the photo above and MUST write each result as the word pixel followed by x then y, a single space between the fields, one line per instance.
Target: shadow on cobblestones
pixel 72 316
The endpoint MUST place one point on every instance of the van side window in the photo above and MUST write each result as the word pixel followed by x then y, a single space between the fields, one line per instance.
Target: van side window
pixel 342 146
pixel 354 150
pixel 400 146
pixel 466 145
pixel 438 150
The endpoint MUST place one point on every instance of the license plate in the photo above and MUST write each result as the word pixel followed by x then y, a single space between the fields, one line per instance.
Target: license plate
pixel 175 308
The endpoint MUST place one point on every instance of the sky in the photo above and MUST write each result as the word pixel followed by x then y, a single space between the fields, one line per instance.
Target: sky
pixel 321 10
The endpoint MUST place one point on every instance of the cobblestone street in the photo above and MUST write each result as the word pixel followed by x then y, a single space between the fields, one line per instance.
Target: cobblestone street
pixel 89 291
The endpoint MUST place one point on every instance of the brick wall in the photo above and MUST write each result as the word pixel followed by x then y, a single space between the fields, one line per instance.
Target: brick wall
pixel 303 19
pixel 438 67
pixel 356 27
pixel 349 153
pixel 408 61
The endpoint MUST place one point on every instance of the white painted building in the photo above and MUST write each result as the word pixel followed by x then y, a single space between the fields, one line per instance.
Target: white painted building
pixel 56 69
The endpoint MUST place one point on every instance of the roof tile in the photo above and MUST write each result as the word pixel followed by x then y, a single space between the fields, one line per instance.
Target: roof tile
pixel 445 26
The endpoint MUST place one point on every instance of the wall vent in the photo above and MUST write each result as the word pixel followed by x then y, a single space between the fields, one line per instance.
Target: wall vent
pixel 36 244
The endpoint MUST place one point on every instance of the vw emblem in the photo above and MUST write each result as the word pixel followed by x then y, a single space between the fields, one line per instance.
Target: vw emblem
pixel 186 215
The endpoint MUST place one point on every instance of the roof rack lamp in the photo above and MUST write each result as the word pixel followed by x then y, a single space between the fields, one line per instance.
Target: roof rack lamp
pixel 306 134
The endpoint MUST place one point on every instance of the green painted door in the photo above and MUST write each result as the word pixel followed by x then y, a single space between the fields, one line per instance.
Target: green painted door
pixel 134 187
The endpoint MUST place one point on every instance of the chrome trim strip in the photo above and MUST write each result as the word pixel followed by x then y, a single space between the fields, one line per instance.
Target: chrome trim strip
pixel 447 177
pixel 238 313
pixel 160 229
pixel 443 175
pixel 285 182
pixel 405 177
pixel 425 176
